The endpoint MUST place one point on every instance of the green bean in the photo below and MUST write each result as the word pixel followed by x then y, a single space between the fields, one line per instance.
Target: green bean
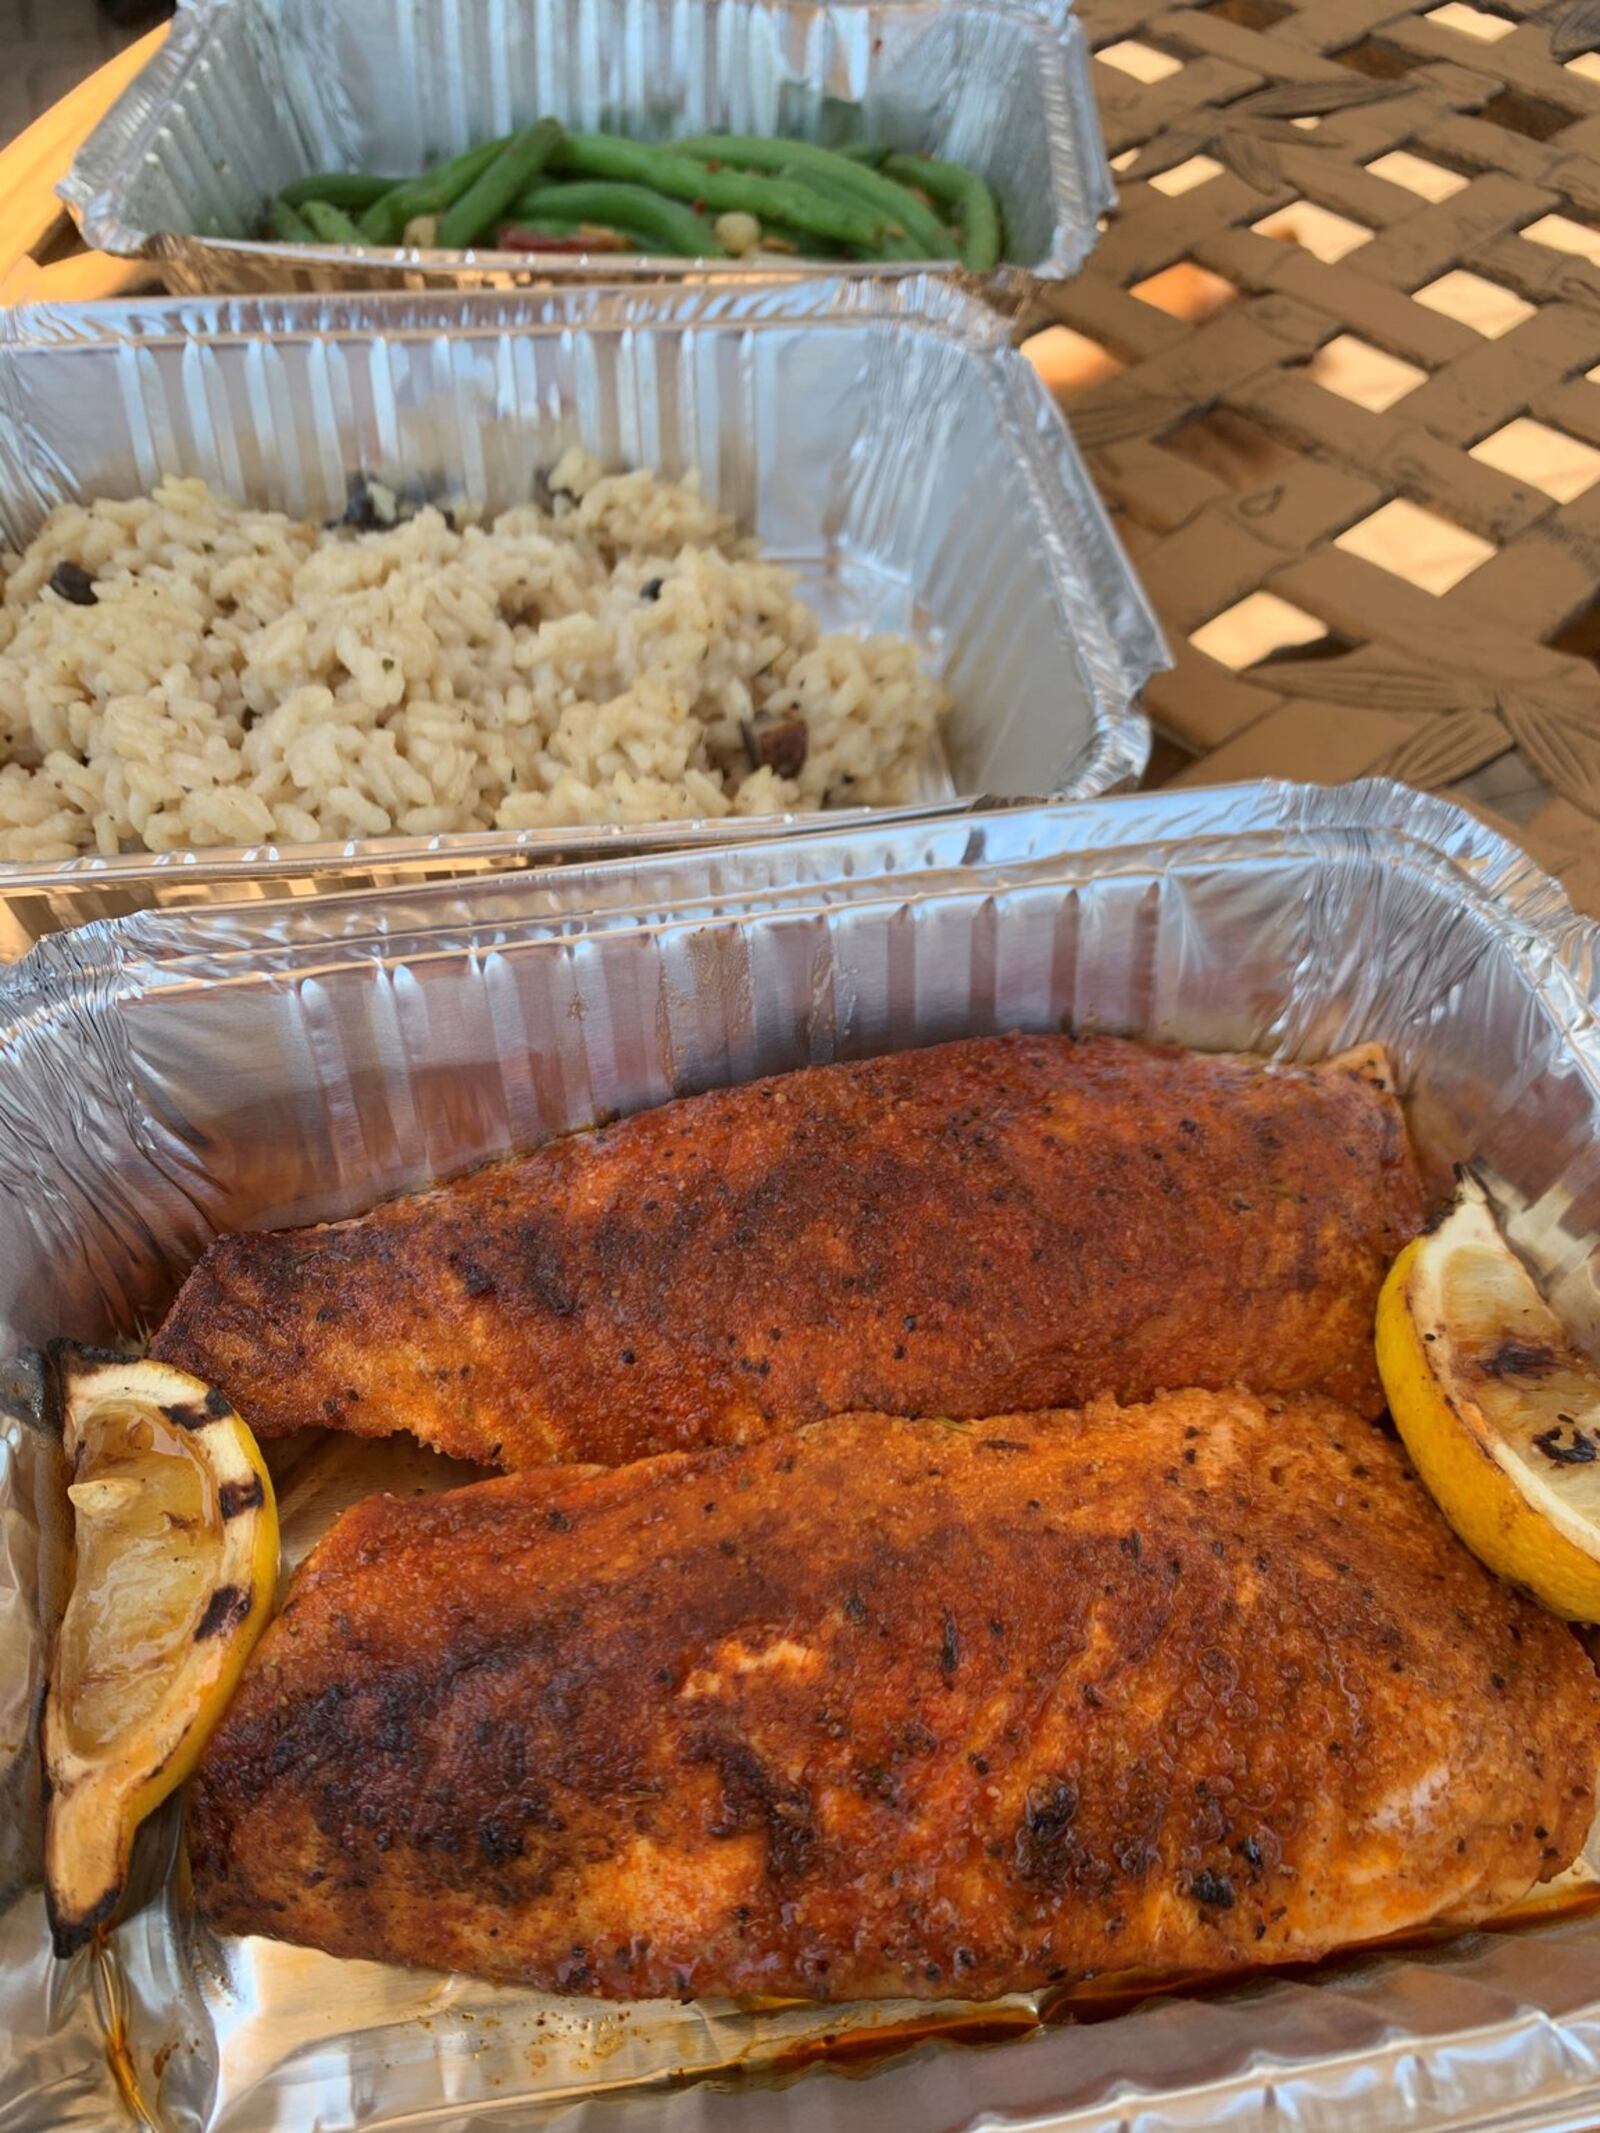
pixel 342 188
pixel 385 221
pixel 895 244
pixel 863 199
pixel 965 191
pixel 672 227
pixel 889 200
pixel 488 197
pixel 285 220
pixel 664 170
pixel 331 225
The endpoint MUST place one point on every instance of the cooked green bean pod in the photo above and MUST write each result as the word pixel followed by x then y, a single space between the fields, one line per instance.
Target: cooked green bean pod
pixel 896 243
pixel 664 170
pixel 962 189
pixel 890 201
pixel 669 226
pixel 486 199
pixel 331 224
pixel 340 188
pixel 285 221
pixel 863 201
pixel 385 221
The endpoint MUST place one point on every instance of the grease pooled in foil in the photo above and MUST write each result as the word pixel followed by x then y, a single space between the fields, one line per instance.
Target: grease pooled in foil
pixel 176 1074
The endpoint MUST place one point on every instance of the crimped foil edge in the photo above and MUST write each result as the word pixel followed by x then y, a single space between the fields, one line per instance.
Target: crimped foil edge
pixel 123 135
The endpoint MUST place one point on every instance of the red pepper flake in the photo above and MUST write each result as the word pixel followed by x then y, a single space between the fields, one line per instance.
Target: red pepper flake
pixel 591 238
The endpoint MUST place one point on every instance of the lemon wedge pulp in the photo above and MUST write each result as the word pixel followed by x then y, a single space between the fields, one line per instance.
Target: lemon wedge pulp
pixel 175 1560
pixel 1499 1409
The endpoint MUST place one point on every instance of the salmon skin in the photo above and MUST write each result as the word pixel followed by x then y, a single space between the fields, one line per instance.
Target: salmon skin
pixel 891 1707
pixel 1004 1222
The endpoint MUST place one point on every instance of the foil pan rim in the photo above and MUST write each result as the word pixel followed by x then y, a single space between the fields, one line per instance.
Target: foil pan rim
pixel 853 863
pixel 1081 183
pixel 226 863
pixel 775 298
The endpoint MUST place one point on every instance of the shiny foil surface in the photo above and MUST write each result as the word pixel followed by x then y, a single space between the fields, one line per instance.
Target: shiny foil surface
pixel 883 440
pixel 247 95
pixel 173 1074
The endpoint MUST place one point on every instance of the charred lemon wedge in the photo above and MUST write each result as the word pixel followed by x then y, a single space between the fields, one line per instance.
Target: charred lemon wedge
pixel 1499 1409
pixel 175 1560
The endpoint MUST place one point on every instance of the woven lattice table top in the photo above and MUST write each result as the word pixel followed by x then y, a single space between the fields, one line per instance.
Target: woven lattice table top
pixel 1335 365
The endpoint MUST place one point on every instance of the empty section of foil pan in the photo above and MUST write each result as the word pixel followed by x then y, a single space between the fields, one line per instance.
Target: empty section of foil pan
pixel 177 1073
pixel 248 95
pixel 884 440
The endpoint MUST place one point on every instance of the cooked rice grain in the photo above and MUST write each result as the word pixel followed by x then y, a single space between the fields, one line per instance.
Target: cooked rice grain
pixel 242 677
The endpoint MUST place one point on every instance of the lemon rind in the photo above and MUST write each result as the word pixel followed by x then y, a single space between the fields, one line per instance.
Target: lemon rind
pixel 96 1802
pixel 1510 1518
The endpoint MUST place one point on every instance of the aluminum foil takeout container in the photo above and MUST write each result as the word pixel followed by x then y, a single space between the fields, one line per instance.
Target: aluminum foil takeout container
pixel 247 95
pixel 883 439
pixel 173 1074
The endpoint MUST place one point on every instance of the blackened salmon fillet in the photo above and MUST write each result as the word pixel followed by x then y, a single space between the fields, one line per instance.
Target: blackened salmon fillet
pixel 887 1707
pixel 1002 1222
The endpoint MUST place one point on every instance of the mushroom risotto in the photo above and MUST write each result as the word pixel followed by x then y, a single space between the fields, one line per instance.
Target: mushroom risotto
pixel 178 671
